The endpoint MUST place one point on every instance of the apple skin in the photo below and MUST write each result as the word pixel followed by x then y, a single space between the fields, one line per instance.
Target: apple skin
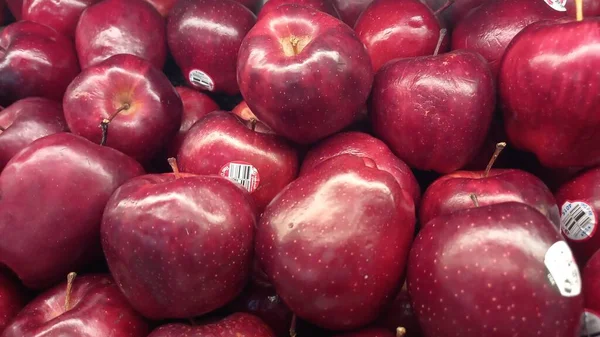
pixel 392 29
pixel 163 6
pixel 76 177
pixel 25 121
pixel 179 247
pixel 363 145
pixel 221 137
pixel 326 6
pixel 585 188
pixel 369 332
pixel 97 309
pixel 350 10
pixel 308 94
pixel 591 283
pixel 590 8
pixel 466 269
pixel 60 15
pixel 452 193
pixel 12 299
pixel 550 104
pixel 35 60
pixel 204 37
pixel 489 29
pixel 353 271
pixel 446 100
pixel 153 116
pixel 142 34
pixel 234 325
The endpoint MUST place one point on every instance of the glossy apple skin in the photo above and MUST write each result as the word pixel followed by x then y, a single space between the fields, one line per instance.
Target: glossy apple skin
pixel 400 314
pixel 392 29
pixel 550 103
pixel 467 269
pixel 205 35
pixel 489 29
pixel 591 283
pixel 350 10
pixel 452 193
pixel 363 145
pixel 25 121
pixel 339 234
pixel 238 324
pixel 447 100
pixel 12 299
pixel 326 6
pixel 311 95
pixel 221 137
pixel 179 247
pixel 155 111
pixel 585 187
pixel 97 309
pixel 35 60
pixel 60 15
pixel 195 106
pixel 369 332
pixel 142 34
pixel 76 177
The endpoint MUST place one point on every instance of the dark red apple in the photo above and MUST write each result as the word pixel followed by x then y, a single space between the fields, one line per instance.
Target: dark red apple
pixel 223 144
pixel 326 6
pixel 501 270
pixel 12 299
pixel 35 60
pixel 235 325
pixel 369 332
pixel 195 106
pixel 60 15
pixel 204 37
pixel 53 195
pixel 489 29
pixel 363 145
pixel 400 316
pixel 434 111
pixel 112 27
pixel 392 29
pixel 88 306
pixel 579 202
pixel 16 8
pixel 350 10
pixel 456 11
pixel 138 107
pixel 304 73
pixel 590 7
pixel 550 103
pixel 163 6
pixel 25 121
pixel 179 245
pixel 243 111
pixel 591 294
pixel 339 236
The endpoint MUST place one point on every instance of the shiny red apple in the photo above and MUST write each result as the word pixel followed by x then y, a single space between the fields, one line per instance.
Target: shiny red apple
pixel 12 299
pixel 326 6
pixel 235 325
pixel 304 73
pixel 60 15
pixel 350 10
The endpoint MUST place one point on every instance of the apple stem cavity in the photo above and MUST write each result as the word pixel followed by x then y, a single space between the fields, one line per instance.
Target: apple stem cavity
pixel 474 199
pixel 253 122
pixel 579 9
pixel 173 163
pixel 70 280
pixel 400 332
pixel 499 147
pixel 447 4
pixel 293 327
pixel 443 32
pixel 106 121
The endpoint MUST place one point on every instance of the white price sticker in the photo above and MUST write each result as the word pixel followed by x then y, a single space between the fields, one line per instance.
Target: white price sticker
pixel 242 173
pixel 557 5
pixel 563 271
pixel 577 220
pixel 201 79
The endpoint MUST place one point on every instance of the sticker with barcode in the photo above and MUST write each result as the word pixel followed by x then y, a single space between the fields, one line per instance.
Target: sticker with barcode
pixel 590 326
pixel 242 173
pixel 563 272
pixel 557 5
pixel 201 79
pixel 578 220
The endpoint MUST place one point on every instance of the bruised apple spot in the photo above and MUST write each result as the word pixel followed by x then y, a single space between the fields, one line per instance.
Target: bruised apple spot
pixel 293 45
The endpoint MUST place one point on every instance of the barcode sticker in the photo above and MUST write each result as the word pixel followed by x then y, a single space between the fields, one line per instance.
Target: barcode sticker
pixel 578 220
pixel 201 79
pixel 558 5
pixel 563 271
pixel 242 173
pixel 590 326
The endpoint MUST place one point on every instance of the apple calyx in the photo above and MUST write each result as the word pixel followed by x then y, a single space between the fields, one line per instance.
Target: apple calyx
pixel 499 147
pixel 447 4
pixel 70 280
pixel 579 9
pixel 443 32
pixel 106 121
pixel 294 45
pixel 400 332
pixel 173 163
pixel 474 199
pixel 293 327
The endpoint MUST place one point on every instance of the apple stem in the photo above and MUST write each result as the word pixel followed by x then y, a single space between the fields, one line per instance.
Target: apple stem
pixel 447 4
pixel 579 9
pixel 173 163
pixel 253 122
pixel 474 198
pixel 106 121
pixel 499 147
pixel 70 280
pixel 293 326
pixel 400 332
pixel 443 32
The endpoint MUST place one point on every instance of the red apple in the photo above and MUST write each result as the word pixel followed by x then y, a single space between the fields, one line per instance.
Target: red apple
pixel 500 270
pixel 60 15
pixel 35 60
pixel 16 8
pixel 163 6
pixel 43 241
pixel 369 332
pixel 12 299
pixel 326 6
pixel 363 145
pixel 88 306
pixel 447 103
pixel 204 37
pixel 243 111
pixel 591 293
pixel 25 121
pixel 339 236
pixel 550 102
pixel 136 103
pixel 179 245
pixel 350 10
pixel 112 27
pixel 223 144
pixel 590 8
pixel 392 29
pixel 489 29
pixel 304 73
pixel 579 202
pixel 235 325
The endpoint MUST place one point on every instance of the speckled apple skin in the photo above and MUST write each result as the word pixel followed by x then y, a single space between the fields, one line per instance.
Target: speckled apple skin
pixel 325 6
pixel 234 325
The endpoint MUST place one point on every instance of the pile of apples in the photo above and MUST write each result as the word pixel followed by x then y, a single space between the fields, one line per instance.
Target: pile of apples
pixel 310 168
